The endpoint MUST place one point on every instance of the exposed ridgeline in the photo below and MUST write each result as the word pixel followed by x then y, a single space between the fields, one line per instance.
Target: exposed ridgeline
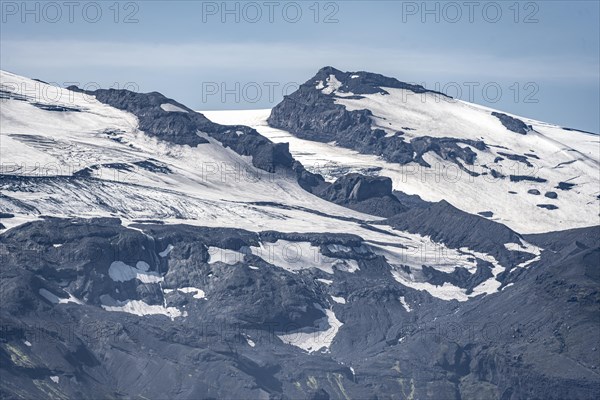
pixel 173 122
pixel 312 113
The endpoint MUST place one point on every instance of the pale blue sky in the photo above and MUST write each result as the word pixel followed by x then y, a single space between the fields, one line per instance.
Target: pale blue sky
pixel 543 56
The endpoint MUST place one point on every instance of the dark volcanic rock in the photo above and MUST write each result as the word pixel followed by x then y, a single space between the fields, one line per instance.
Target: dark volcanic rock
pixel 548 206
pixel 311 114
pixel 227 344
pixel 191 128
pixel 459 277
pixel 368 194
pixel 153 166
pixel 175 127
pixel 516 157
pixel 363 82
pixel 535 192
pixel 551 195
pixel 519 178
pixel 565 186
pixel 411 200
pixel 512 124
pixel 355 187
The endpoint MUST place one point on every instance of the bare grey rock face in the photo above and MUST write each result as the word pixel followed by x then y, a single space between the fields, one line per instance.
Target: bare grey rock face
pixel 60 336
pixel 188 127
pixel 372 195
pixel 512 124
pixel 310 114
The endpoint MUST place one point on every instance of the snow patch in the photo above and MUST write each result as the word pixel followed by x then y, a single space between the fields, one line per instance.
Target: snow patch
pixel 249 341
pixel 172 108
pixel 54 299
pixel 337 299
pixel 524 247
pixel 55 379
pixel 198 293
pixel 315 341
pixel 166 251
pixel 140 308
pixel 405 304
pixel 231 257
pixel 121 272
pixel 332 85
pixel 296 256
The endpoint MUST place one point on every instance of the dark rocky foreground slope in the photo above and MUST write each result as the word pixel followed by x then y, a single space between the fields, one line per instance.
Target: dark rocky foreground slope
pixel 534 339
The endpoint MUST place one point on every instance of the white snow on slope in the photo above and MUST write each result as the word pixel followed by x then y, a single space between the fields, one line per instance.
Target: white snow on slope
pixel 172 108
pixel 405 304
pixel 121 272
pixel 524 247
pixel 208 183
pixel 226 256
pixel 317 340
pixel 331 86
pixel 564 156
pixel 166 251
pixel 421 251
pixel 296 256
pixel 198 293
pixel 140 308
pixel 52 298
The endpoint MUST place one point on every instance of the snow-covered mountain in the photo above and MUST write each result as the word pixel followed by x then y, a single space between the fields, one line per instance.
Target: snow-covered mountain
pixel 531 176
pixel 169 253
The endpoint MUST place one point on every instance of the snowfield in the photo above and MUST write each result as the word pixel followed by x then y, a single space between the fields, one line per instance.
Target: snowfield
pixel 555 154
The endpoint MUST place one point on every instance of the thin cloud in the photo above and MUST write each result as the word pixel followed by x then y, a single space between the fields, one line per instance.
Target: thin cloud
pixel 21 54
